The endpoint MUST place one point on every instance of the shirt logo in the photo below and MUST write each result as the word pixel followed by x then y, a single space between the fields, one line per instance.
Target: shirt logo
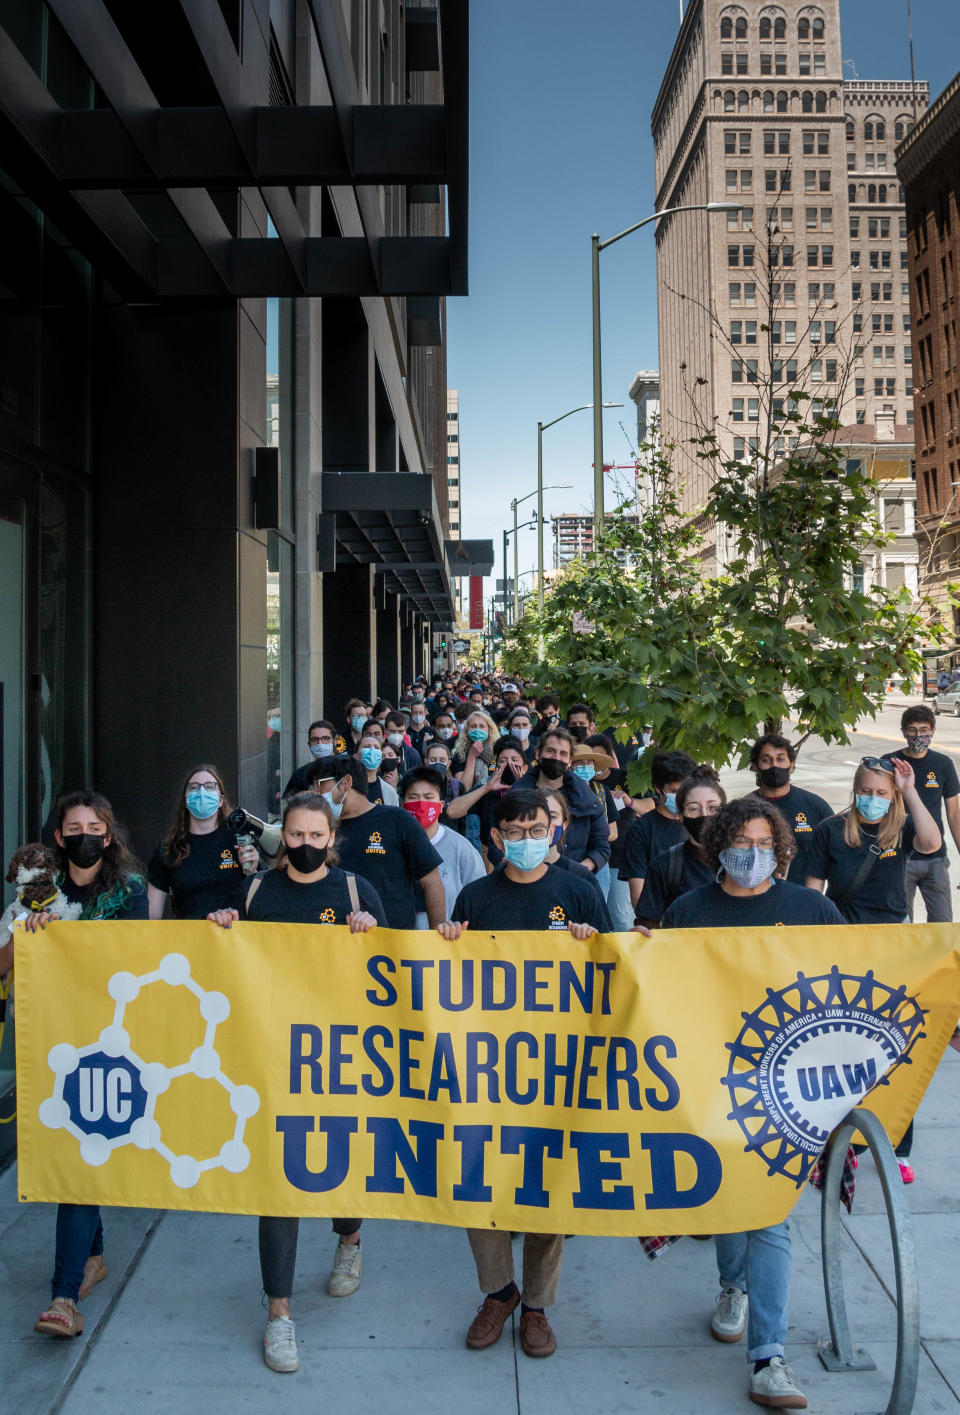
pixel 328 916
pixel 931 782
pixel 227 862
pixel 375 844
pixel 801 823
pixel 341 746
pixel 888 855
pixel 558 917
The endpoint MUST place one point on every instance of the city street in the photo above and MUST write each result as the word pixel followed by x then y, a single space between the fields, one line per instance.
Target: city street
pixel 177 1325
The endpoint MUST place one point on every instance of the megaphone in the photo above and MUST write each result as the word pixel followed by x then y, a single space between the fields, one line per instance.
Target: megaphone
pixel 251 830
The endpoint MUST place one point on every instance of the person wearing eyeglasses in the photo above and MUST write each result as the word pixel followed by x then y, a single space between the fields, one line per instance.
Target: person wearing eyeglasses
pixel 323 740
pixel 199 864
pixel 939 788
pixel 863 854
pixel 683 866
pixel 524 893
pixel 745 845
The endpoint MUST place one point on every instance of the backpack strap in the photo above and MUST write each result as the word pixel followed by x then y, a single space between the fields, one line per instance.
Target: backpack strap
pixel 255 884
pixel 674 869
pixel 353 893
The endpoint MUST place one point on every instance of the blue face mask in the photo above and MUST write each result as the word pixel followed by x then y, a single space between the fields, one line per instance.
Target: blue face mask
pixel 203 802
pixel 748 868
pixel 872 808
pixel 321 749
pixel 478 734
pixel 585 770
pixel 526 854
pixel 336 807
pixel 371 757
pixel 357 722
pixel 670 802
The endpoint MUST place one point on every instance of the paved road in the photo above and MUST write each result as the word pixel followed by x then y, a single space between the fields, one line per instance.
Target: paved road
pixel 177 1325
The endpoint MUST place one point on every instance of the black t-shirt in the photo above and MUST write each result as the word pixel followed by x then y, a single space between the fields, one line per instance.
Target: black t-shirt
pixel 298 779
pixel 207 880
pixel 803 811
pixel 882 898
pixel 98 905
pixel 647 838
pixel 937 781
pixel 783 903
pixel 389 848
pixel 658 891
pixel 562 862
pixel 558 898
pixel 281 900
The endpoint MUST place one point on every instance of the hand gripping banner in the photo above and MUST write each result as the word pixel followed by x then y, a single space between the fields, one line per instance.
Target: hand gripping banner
pixel 681 1084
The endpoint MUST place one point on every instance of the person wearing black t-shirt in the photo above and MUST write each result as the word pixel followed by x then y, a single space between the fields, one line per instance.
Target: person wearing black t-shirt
pixel 97 871
pixel 660 828
pixel 773 758
pixel 684 866
pixel 524 893
pixel 323 741
pixel 305 888
pixel 939 789
pixel 748 840
pixel 383 844
pixel 556 855
pixel 199 864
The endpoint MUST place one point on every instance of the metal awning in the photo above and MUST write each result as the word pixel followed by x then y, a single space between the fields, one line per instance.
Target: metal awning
pixel 390 520
pixel 137 185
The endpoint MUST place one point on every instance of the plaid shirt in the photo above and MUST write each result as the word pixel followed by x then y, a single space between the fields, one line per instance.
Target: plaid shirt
pixel 653 1247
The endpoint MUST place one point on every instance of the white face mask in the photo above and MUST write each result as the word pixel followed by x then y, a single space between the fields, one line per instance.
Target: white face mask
pixel 418 721
pixel 395 738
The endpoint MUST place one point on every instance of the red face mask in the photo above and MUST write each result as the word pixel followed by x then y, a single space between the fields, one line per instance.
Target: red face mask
pixel 426 812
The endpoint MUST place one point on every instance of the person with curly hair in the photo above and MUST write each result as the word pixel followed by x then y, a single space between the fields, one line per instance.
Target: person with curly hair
pixel 199 864
pixel 746 844
pixel 95 870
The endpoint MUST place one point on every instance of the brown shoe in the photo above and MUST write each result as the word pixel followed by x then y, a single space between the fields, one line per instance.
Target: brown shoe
pixel 536 1336
pixel 489 1322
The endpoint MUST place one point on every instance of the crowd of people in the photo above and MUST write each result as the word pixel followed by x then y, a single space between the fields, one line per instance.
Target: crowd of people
pixel 486 805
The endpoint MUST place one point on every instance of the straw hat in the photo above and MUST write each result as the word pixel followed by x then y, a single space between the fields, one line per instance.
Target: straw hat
pixel 601 759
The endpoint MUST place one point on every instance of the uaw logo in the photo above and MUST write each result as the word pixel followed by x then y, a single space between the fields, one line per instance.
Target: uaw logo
pixel 375 845
pixel 105 1095
pixel 227 862
pixel 558 917
pixel 801 822
pixel 808 1055
pixel 328 916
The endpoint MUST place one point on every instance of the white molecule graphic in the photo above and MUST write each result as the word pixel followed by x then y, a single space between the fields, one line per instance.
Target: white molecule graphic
pixel 105 1095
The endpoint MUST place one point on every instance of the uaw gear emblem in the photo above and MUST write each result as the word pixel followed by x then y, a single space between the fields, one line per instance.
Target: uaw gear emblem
pixel 801 822
pixel 808 1055
pixel 375 844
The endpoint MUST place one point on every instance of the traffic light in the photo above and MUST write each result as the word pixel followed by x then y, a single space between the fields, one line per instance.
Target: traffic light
pixel 443 643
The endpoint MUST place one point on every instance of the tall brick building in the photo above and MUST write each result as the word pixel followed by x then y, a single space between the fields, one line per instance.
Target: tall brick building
pixel 806 281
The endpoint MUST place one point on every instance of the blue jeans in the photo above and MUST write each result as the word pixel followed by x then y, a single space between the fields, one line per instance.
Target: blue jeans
pixel 758 1263
pixel 602 876
pixel 618 902
pixel 79 1237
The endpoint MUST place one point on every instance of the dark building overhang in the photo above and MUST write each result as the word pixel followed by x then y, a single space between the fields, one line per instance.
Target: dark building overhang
pixel 91 169
pixel 390 520
pixel 469 557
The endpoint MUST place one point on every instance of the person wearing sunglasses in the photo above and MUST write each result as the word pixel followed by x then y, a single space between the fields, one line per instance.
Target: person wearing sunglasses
pixel 939 788
pixel 746 845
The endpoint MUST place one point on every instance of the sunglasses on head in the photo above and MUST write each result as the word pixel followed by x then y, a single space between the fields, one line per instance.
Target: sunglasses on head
pixel 874 763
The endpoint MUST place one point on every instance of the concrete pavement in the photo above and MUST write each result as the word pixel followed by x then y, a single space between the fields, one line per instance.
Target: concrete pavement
pixel 178 1323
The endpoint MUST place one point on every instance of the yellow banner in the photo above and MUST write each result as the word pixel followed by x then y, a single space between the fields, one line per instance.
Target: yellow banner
pixel 681 1084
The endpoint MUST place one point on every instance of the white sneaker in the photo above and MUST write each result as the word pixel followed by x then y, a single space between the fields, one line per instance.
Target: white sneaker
pixel 345 1274
pixel 730 1318
pixel 774 1386
pixel 280 1345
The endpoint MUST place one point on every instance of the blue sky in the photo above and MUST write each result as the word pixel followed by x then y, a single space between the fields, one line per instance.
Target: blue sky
pixel 560 101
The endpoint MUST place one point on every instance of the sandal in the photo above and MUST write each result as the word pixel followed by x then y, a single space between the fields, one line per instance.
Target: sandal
pixel 94 1271
pixel 60 1319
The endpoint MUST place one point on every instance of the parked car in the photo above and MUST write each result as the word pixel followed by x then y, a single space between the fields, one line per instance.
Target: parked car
pixel 948 700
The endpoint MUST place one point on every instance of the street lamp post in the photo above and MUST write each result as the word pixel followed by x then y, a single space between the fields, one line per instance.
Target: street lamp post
pixel 536 520
pixel 596 247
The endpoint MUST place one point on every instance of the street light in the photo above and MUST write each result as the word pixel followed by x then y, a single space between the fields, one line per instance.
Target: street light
pixel 596 247
pixel 538 519
pixel 506 536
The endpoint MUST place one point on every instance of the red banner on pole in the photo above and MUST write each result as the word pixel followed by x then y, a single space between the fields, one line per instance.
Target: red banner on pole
pixel 476 601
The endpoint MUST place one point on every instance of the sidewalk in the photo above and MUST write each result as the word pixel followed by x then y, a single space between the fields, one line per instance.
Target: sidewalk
pixel 177 1325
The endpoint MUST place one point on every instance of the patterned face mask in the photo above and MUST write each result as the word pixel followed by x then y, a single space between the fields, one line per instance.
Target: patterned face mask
pixel 748 868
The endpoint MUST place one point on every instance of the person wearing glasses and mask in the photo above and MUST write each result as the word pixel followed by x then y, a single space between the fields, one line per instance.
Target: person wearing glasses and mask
pixel 323 740
pixel 525 893
pixel 369 759
pixel 357 713
pixel 939 789
pixel 862 855
pixel 746 844
pixel 684 866
pixel 773 759
pixel 199 864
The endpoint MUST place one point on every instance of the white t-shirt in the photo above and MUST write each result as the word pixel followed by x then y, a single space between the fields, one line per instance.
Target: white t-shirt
pixel 460 864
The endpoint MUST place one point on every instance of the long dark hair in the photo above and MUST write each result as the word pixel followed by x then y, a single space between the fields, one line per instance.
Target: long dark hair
pixel 176 844
pixel 118 865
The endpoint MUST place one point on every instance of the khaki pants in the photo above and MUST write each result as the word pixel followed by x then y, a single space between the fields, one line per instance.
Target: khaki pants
pixel 542 1252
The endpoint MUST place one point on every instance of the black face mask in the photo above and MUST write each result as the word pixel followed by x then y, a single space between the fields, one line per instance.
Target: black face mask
pixel 552 768
pixel 695 826
pixel 580 732
pixel 84 850
pixel 307 858
pixel 509 776
pixel 774 776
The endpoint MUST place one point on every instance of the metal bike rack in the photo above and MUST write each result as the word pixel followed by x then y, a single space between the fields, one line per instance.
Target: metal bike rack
pixel 840 1354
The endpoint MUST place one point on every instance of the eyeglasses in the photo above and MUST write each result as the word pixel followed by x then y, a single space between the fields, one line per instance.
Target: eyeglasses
pixel 743 842
pixel 202 786
pixel 514 833
pixel 692 812
pixel 877 763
